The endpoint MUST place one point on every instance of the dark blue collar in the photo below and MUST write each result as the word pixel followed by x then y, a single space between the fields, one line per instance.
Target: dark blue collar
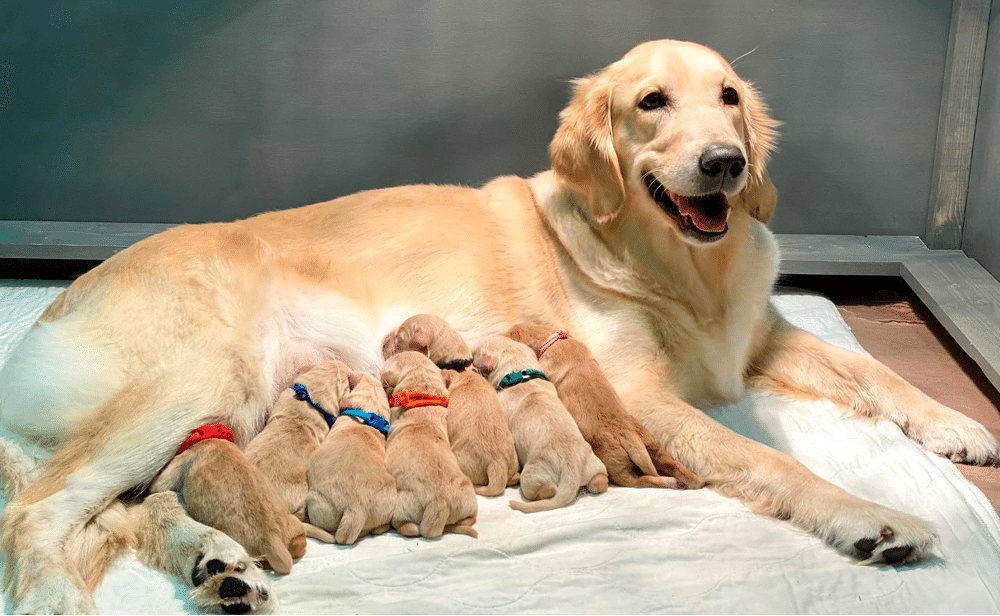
pixel 516 378
pixel 369 419
pixel 301 393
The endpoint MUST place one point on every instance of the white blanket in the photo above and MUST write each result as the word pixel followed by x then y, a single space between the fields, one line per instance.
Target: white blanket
pixel 639 551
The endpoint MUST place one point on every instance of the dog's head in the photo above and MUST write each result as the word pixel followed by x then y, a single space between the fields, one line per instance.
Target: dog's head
pixel 668 131
pixel 412 370
pixel 327 384
pixel 366 394
pixel 430 335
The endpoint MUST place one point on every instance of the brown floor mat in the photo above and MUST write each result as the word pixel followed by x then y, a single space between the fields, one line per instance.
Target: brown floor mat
pixel 897 329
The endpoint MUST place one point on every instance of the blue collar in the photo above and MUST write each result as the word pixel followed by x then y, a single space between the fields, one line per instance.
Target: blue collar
pixel 369 419
pixel 301 393
pixel 520 376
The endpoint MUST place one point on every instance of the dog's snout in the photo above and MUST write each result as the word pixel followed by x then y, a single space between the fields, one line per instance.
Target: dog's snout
pixel 721 160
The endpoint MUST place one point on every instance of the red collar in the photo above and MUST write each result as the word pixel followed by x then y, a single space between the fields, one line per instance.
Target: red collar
pixel 562 334
pixel 408 399
pixel 204 433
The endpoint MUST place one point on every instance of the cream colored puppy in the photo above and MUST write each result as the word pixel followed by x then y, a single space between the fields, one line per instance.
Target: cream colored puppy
pixel 477 424
pixel 555 459
pixel 222 489
pixel 617 438
pixel 295 429
pixel 433 494
pixel 351 493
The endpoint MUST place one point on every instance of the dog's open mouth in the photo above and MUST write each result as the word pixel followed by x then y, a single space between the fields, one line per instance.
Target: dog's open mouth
pixel 702 217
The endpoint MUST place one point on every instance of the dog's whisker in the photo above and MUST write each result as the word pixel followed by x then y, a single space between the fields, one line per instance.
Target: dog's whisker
pixel 733 63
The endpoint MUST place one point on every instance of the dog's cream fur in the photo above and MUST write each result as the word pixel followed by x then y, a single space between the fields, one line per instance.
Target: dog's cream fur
pixel 629 452
pixel 433 496
pixel 210 322
pixel 555 460
pixel 351 493
pixel 477 425
pixel 295 430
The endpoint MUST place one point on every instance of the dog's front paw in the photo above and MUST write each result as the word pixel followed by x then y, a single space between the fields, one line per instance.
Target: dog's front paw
pixel 226 580
pixel 877 535
pixel 956 437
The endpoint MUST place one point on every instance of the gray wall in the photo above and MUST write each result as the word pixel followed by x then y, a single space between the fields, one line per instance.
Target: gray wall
pixel 981 233
pixel 161 111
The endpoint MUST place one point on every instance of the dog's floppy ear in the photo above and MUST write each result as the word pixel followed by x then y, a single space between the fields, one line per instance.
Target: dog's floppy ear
pixel 486 358
pixel 583 149
pixel 760 134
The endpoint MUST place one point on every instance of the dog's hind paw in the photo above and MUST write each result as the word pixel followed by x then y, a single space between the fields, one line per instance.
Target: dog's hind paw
pixel 226 580
pixel 958 438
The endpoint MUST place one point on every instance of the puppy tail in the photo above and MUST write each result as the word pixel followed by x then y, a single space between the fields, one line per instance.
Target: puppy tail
pixel 566 493
pixel 318 533
pixel 496 483
pixel 352 524
pixel 435 518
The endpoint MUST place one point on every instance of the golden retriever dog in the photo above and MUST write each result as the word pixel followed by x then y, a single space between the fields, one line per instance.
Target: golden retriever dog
pixel 220 488
pixel 647 238
pixel 629 452
pixel 351 493
pixel 555 460
pixel 477 425
pixel 301 419
pixel 433 496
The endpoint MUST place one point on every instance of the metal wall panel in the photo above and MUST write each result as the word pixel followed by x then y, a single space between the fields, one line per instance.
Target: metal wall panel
pixel 163 111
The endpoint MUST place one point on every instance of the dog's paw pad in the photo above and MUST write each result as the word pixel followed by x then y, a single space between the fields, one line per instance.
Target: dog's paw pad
pixel 227 581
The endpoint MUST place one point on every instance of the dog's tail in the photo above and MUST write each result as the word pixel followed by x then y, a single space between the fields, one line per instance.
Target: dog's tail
pixel 17 469
pixel 318 533
pixel 496 482
pixel 569 487
pixel 352 524
pixel 435 518
pixel 99 543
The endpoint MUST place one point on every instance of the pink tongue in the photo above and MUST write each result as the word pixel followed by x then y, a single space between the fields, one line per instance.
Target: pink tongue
pixel 694 207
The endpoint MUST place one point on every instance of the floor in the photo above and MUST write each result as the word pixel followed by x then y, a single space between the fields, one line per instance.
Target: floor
pixel 894 326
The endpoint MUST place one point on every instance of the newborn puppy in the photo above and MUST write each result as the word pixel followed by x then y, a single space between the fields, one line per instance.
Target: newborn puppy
pixel 433 496
pixel 477 425
pixel 555 460
pixel 431 336
pixel 220 488
pixel 478 433
pixel 351 492
pixel 629 452
pixel 295 429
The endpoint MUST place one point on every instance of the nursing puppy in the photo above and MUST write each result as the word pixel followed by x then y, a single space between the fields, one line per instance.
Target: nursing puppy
pixel 295 430
pixel 477 425
pixel 433 496
pixel 351 493
pixel 555 460
pixel 219 487
pixel 629 452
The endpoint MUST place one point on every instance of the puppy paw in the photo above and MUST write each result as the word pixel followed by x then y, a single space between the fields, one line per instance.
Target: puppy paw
pixel 878 535
pixel 956 437
pixel 227 581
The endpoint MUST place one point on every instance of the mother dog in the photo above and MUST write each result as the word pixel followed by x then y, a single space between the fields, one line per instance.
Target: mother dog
pixel 647 239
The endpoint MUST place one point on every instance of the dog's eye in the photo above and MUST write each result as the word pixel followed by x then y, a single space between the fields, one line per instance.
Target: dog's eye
pixel 653 100
pixel 730 96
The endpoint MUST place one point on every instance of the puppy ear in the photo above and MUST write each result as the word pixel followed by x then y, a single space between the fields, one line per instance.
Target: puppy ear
pixel 389 344
pixel 486 358
pixel 760 135
pixel 353 378
pixel 583 149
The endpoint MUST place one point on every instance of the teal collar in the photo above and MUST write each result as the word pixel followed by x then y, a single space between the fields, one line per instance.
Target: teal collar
pixel 516 378
pixel 369 419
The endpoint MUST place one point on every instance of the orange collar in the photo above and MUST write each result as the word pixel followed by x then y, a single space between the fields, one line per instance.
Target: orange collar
pixel 562 334
pixel 408 399
pixel 204 433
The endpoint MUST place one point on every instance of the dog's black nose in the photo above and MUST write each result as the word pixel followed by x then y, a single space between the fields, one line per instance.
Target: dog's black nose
pixel 721 159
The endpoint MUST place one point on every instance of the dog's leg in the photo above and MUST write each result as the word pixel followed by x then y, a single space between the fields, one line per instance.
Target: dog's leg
pixel 796 362
pixel 221 574
pixel 773 483
pixel 123 444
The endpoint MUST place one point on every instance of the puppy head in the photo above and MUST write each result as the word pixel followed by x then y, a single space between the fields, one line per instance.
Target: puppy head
pixel 430 335
pixel 531 334
pixel 366 394
pixel 327 384
pixel 498 354
pixel 412 370
pixel 668 131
